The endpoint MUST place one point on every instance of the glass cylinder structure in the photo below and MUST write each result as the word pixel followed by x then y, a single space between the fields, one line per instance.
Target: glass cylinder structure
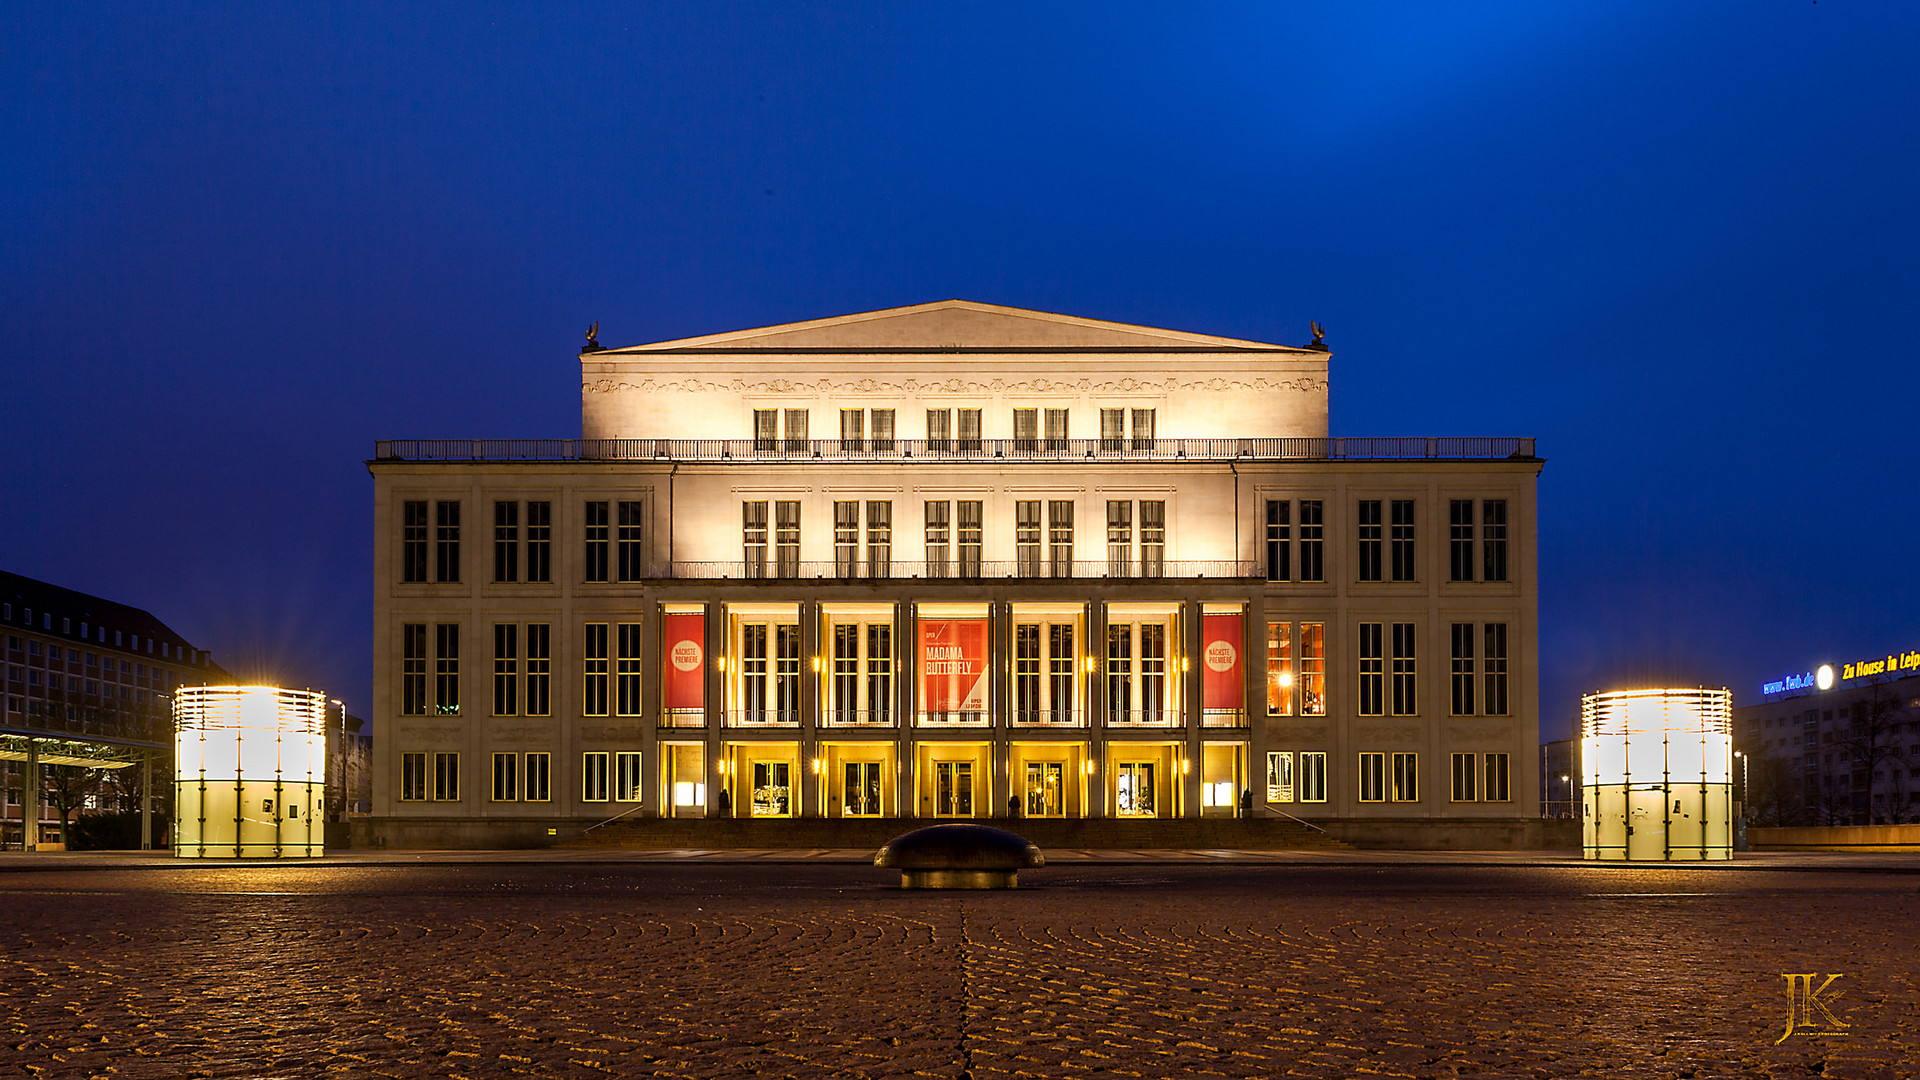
pixel 1657 774
pixel 251 778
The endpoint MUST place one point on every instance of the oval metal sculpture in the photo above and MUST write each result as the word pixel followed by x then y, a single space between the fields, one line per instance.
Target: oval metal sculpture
pixel 959 856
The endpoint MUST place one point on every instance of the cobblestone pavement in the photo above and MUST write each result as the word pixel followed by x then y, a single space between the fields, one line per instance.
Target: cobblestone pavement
pixel 828 970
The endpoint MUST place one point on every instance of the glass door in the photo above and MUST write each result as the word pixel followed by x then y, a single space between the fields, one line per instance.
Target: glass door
pixel 953 788
pixel 860 790
pixel 1045 789
pixel 772 789
pixel 1135 790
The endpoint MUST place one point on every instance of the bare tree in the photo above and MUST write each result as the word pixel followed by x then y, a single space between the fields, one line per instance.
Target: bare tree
pixel 67 788
pixel 1870 747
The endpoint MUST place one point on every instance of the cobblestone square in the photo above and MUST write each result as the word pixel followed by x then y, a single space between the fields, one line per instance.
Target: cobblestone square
pixel 808 970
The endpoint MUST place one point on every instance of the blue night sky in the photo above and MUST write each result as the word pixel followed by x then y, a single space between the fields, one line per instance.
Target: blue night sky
pixel 1676 242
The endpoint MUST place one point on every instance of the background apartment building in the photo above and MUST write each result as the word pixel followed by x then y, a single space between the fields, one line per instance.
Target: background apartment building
pixel 951 561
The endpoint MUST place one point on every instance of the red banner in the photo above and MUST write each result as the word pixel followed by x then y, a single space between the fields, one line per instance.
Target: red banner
pixel 953 665
pixel 1221 642
pixel 683 656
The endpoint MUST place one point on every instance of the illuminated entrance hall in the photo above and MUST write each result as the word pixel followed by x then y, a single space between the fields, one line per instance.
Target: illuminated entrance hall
pixel 947 562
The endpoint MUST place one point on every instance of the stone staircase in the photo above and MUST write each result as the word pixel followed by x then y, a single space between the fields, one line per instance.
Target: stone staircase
pixel 654 834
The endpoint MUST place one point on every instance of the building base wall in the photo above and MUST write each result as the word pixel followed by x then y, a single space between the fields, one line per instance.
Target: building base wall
pixel 1430 834
pixel 1423 834
pixel 1835 837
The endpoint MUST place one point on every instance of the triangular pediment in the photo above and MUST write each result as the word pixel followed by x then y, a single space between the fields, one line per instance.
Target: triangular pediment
pixel 950 324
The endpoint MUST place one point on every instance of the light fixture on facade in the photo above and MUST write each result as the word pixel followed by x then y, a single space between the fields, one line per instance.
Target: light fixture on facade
pixel 1823 677
pixel 1657 774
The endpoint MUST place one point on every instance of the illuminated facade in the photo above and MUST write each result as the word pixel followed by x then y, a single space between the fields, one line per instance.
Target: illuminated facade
pixel 1835 744
pixel 952 561
pixel 89 683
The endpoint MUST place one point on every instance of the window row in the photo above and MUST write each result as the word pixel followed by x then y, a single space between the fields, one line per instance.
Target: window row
pixel 1386 531
pixel 862 429
pixel 1048 657
pixel 1387 777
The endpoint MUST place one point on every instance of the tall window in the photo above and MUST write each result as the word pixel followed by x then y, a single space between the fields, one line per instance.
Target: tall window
pixel 1056 430
pixel 593 660
pixel 879 538
pixel 939 429
pixel 1463 674
pixel 506 669
pixel 413 540
pixel 1026 537
pixel 446 778
pixel 1119 535
pixel 1279 540
pixel 753 673
pixel 784 660
pixel 1143 429
pixel 1406 700
pixel 786 538
pixel 1495 635
pixel 506 777
pixel 540 541
pixel 1026 429
pixel 626 684
pixel 1043 667
pixel 1296 669
pixel 1313 777
pixel 539 670
pixel 596 539
pixel 1466 778
pixel 413 777
pixel 862 687
pixel 1060 536
pixel 506 541
pixel 593 776
pixel 1312 536
pixel 413 669
pixel 883 429
pixel 853 429
pixel 1493 520
pixel 939 536
pixel 1369 519
pixel 796 429
pixel 1403 564
pixel 754 524
pixel 632 563
pixel 446 551
pixel 786 672
pixel 1373 778
pixel 1460 539
pixel 1153 536
pixel 538 777
pixel 766 428
pixel 1113 429
pixel 446 678
pixel 1497 788
pixel 1406 778
pixel 969 430
pixel 1137 674
pixel 1372 670
pixel 846 537
pixel 972 532
pixel 626 776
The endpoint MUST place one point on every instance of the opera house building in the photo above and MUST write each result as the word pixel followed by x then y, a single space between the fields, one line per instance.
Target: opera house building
pixel 951 561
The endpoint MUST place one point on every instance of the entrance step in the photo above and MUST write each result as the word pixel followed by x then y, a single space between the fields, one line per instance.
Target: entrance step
pixel 655 834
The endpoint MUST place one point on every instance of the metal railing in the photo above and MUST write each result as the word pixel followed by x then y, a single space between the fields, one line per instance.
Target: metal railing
pixel 903 569
pixel 904 451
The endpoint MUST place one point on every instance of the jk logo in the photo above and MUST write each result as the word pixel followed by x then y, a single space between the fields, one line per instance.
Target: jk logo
pixel 1807 1012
